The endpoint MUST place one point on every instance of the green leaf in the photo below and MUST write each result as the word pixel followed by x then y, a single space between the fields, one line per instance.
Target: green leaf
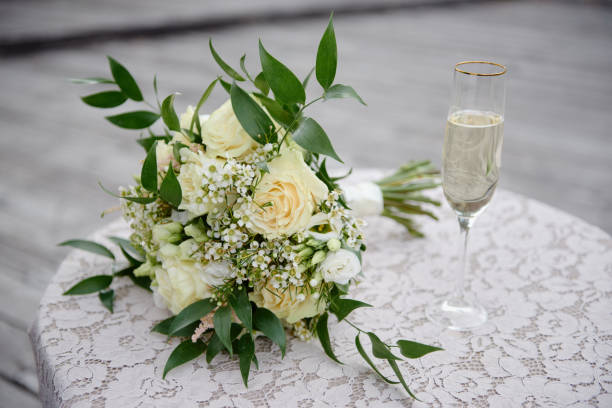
pixel 142 281
pixel 342 91
pixel 226 85
pixel 163 327
pixel 228 70
pixel 184 352
pixel 106 99
pixel 170 190
pixel 88 246
pixel 266 322
pixel 134 119
pixel 203 98
pixel 327 56
pixel 323 334
pixel 139 200
pixel 275 110
pixel 128 247
pixel 192 313
pixel 243 67
pixel 147 142
pixel 313 138
pixel 223 324
pixel 90 285
pixel 91 81
pixel 307 79
pixel 369 361
pixel 343 307
pixel 242 307
pixel 380 349
pixel 285 85
pixel 176 150
pixel 214 347
pixel 251 116
pixel 148 174
pixel 107 297
pixel 124 80
pixel 261 84
pixel 412 349
pixel 399 375
pixel 169 114
pixel 245 348
pixel 124 271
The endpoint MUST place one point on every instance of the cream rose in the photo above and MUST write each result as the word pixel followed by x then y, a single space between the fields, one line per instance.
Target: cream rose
pixel 224 136
pixel 287 303
pixel 340 267
pixel 187 116
pixel 181 280
pixel 286 197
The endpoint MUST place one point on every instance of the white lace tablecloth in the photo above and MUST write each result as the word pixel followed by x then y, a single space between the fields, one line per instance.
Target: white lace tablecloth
pixel 545 276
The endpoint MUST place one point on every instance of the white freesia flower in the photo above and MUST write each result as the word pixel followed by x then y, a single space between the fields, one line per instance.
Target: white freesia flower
pixel 224 136
pixel 286 197
pixel 340 266
pixel 287 304
pixel 218 272
pixel 181 280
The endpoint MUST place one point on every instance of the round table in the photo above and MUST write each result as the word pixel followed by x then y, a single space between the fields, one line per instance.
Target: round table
pixel 545 277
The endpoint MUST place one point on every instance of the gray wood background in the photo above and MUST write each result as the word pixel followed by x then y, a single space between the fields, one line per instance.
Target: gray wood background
pixel 397 54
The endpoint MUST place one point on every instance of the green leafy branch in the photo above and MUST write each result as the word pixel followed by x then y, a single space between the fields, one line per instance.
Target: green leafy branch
pixel 341 308
pixel 101 283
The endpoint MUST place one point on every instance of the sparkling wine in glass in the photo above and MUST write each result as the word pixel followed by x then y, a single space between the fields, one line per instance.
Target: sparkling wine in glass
pixel 471 159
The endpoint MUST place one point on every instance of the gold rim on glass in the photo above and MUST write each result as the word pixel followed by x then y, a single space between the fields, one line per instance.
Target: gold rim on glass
pixel 502 72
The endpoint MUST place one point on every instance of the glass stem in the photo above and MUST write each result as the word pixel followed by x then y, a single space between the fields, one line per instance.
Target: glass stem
pixel 465 223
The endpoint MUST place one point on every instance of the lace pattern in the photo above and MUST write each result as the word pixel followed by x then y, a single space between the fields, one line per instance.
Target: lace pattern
pixel 545 277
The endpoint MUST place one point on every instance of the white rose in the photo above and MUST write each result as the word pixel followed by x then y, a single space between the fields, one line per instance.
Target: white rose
pixel 287 303
pixel 224 136
pixel 164 155
pixel 340 266
pixel 186 117
pixel 286 197
pixel 181 280
pixel 218 272
pixel 364 199
pixel 192 179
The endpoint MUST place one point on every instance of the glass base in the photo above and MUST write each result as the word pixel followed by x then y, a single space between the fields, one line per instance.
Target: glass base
pixel 457 314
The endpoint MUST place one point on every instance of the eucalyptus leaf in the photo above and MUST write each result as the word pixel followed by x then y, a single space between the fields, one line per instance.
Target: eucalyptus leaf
pixel 169 114
pixel 261 83
pixel 91 81
pixel 90 285
pixel 226 85
pixel 313 138
pixel 307 79
pixel 106 99
pixel 124 80
pixel 127 246
pixel 148 174
pixel 245 348
pixel 107 297
pixel 192 313
pixel 170 190
pixel 285 85
pixel 342 91
pixel 399 375
pixel 251 116
pixel 266 322
pixel 327 56
pixel 323 334
pixel 184 352
pixel 224 66
pixel 223 323
pixel 242 307
pixel 163 327
pixel 367 359
pixel 88 246
pixel 139 200
pixel 343 307
pixel 214 347
pixel 380 349
pixel 275 110
pixel 412 349
pixel 134 119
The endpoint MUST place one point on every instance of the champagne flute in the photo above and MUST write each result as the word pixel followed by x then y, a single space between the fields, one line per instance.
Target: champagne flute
pixel 471 159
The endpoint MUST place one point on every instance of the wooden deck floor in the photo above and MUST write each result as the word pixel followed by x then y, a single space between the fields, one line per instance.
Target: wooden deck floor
pixel 53 149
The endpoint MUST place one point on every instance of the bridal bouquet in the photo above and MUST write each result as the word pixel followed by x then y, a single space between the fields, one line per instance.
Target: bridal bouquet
pixel 237 226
